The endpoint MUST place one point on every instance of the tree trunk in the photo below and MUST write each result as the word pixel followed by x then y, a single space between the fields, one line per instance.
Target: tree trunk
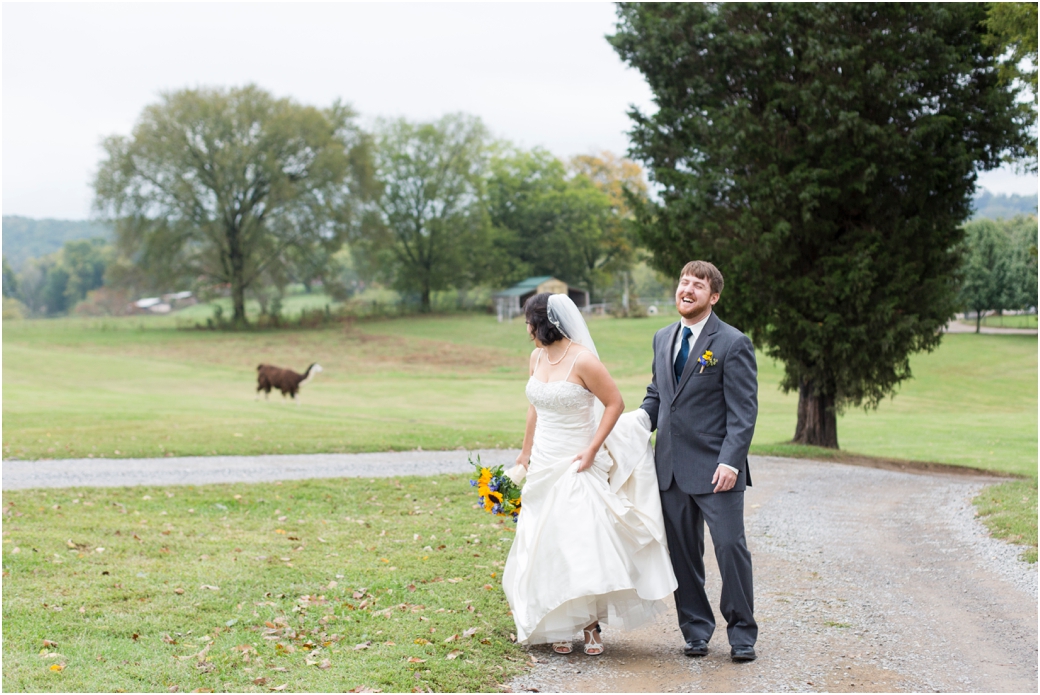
pixel 425 305
pixel 978 321
pixel 817 419
pixel 238 266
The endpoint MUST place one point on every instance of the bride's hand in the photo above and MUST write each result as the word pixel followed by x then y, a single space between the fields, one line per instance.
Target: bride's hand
pixel 585 459
pixel 524 460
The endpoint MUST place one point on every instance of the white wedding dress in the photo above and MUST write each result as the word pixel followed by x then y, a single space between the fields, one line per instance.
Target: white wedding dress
pixel 589 546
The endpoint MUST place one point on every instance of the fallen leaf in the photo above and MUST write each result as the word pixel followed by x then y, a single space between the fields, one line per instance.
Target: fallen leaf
pixel 325 664
pixel 416 660
pixel 488 587
pixel 260 681
pixel 178 591
pixel 282 669
pixel 134 636
pixel 202 690
pixel 49 643
pixel 278 688
pixel 422 641
pixel 411 587
pixel 453 654
pixel 58 667
pixel 470 632
pixel 453 638
pixel 363 645
pixel 210 587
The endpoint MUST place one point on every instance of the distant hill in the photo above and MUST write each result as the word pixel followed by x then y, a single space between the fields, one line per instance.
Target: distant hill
pixel 26 238
pixel 1002 205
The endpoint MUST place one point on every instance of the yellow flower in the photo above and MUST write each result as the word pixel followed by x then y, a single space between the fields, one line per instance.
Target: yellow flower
pixel 496 495
pixel 707 354
pixel 485 475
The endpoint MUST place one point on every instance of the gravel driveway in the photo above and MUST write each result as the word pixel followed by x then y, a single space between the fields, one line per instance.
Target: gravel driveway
pixel 865 579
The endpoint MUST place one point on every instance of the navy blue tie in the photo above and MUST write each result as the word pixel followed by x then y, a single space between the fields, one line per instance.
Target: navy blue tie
pixel 684 353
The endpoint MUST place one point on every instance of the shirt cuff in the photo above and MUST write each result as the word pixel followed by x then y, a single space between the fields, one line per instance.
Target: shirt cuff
pixel 735 471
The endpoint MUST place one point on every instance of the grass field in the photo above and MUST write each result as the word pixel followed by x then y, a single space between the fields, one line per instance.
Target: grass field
pixel 139 387
pixel 1018 321
pixel 320 586
pixel 335 585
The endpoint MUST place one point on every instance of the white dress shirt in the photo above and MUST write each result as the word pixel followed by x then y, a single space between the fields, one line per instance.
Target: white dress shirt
pixel 696 329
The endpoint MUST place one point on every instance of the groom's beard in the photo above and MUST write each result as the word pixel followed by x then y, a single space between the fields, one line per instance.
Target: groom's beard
pixel 693 309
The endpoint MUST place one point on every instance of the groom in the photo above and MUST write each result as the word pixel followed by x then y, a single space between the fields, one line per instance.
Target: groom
pixel 703 401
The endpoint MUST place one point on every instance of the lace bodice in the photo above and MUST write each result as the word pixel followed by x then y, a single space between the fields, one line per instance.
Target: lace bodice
pixel 558 396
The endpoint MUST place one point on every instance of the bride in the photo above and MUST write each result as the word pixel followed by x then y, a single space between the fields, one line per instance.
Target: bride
pixel 590 545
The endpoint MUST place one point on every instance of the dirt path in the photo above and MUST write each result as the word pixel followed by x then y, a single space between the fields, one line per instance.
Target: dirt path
pixel 865 580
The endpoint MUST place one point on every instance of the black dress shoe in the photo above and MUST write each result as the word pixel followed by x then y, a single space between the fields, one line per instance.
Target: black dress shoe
pixel 697 647
pixel 743 653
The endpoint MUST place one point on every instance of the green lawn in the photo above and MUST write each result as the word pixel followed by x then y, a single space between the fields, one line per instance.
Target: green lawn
pixel 139 387
pixel 318 586
pixel 1019 321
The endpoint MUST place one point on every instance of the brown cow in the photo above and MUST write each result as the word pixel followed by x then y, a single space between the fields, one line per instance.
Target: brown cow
pixel 285 380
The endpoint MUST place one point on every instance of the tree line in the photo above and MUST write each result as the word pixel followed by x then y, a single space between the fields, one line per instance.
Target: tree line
pixel 237 188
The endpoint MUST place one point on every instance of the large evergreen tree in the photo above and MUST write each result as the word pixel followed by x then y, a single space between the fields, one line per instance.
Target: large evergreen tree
pixel 824 156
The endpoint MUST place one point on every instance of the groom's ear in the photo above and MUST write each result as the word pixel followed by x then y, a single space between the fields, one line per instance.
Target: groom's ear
pixel 714 298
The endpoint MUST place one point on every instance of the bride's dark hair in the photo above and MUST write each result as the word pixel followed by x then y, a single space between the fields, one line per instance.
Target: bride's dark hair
pixel 536 312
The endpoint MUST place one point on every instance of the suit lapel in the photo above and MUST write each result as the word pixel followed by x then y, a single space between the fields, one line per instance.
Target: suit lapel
pixel 666 361
pixel 704 341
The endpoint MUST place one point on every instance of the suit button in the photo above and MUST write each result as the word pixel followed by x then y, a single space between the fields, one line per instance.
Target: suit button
pixel 673 408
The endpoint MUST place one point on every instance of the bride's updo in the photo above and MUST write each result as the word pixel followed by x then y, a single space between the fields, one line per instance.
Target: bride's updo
pixel 536 312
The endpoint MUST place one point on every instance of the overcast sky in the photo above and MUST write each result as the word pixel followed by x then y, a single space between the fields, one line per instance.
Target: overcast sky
pixel 537 74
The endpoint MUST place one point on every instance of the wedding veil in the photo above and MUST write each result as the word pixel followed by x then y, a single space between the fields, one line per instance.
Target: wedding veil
pixel 565 315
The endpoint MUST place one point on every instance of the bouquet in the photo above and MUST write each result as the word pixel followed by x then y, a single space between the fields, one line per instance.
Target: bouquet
pixel 499 495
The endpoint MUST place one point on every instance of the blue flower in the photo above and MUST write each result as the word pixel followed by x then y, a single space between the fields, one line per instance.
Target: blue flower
pixel 493 485
pixel 516 518
pixel 497 509
pixel 482 499
pixel 473 483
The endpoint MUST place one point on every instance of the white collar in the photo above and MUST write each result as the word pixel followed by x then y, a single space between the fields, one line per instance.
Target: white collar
pixel 695 327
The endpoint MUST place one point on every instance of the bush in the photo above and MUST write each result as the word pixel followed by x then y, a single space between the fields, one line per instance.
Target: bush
pixel 105 301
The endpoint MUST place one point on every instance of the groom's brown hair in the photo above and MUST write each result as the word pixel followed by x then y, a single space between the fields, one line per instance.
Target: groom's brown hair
pixel 705 271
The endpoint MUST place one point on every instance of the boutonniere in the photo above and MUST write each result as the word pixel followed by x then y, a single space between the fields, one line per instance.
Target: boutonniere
pixel 707 360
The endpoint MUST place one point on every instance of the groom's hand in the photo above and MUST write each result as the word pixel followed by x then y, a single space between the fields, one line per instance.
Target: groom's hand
pixel 724 479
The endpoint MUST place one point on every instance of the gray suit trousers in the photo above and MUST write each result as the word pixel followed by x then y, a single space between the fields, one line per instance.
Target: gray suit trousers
pixel 684 518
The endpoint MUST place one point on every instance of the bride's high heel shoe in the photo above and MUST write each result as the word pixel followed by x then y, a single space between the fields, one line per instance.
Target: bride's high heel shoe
pixel 562 647
pixel 593 645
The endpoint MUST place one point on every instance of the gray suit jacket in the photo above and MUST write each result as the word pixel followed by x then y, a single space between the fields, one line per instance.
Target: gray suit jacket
pixel 709 417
